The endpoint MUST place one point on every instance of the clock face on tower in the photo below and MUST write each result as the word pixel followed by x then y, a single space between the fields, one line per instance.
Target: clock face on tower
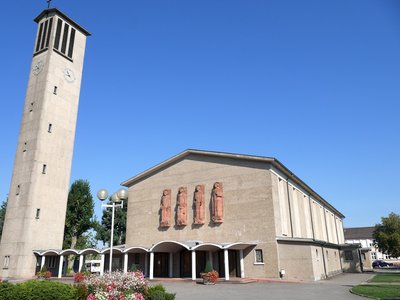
pixel 69 75
pixel 37 68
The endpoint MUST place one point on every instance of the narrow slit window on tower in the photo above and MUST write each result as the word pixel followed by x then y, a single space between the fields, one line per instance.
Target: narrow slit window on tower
pixel 44 169
pixel 50 127
pixel 31 107
pixel 64 39
pixel 71 43
pixel 25 146
pixel 18 190
pixel 44 34
pixel 39 37
pixel 49 32
pixel 37 213
pixel 55 90
pixel 58 35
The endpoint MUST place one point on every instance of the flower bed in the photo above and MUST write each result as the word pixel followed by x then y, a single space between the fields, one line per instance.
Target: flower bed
pixel 116 286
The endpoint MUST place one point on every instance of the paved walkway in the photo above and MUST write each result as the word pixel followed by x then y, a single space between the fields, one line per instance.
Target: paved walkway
pixel 331 289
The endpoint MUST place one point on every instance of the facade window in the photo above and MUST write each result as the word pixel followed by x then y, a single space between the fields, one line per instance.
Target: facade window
pixel 348 255
pixel 25 146
pixel 50 127
pixel 6 261
pixel 18 190
pixel 55 90
pixel 316 254
pixel 37 213
pixel 259 256
pixel 364 257
pixel 373 255
pixel 31 107
pixel 44 169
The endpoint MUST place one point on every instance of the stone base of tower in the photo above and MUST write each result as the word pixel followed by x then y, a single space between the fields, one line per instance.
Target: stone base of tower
pixel 20 267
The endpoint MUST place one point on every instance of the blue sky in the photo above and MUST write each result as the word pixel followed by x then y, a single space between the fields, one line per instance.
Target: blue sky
pixel 315 84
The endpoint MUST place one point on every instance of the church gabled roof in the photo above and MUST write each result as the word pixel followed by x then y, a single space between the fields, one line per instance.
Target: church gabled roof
pixel 270 160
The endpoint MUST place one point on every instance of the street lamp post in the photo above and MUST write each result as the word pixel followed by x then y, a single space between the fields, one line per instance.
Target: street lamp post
pixel 117 200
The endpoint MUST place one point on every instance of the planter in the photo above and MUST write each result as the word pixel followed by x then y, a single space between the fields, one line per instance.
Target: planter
pixel 207 281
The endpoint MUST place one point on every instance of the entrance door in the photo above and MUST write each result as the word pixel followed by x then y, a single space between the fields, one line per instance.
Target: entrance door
pixel 233 269
pixel 186 263
pixel 232 263
pixel 161 264
pixel 200 262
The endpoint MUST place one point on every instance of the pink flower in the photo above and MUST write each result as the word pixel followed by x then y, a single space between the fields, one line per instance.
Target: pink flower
pixel 91 297
pixel 139 296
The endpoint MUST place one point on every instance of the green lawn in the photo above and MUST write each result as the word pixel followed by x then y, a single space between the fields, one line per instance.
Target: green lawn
pixel 386 278
pixel 378 291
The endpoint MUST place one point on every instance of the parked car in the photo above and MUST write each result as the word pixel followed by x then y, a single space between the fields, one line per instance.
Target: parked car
pixel 381 264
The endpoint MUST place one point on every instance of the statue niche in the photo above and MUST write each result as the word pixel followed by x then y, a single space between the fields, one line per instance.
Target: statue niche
pixel 218 203
pixel 166 208
pixel 181 219
pixel 199 204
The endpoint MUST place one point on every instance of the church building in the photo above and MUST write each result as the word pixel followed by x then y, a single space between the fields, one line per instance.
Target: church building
pixel 250 216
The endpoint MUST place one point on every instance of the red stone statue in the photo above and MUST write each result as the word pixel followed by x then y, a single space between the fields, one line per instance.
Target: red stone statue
pixel 166 208
pixel 218 203
pixel 199 203
pixel 182 207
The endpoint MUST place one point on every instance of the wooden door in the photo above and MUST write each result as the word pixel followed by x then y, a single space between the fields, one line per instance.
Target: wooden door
pixel 186 264
pixel 161 264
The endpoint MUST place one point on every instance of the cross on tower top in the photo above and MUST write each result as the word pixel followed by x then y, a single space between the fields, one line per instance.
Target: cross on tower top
pixel 48 3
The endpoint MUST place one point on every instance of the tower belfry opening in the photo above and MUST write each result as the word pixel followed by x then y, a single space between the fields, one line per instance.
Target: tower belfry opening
pixel 57 64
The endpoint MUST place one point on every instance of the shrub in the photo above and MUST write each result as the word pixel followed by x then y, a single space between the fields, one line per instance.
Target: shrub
pixel 38 290
pixel 6 291
pixel 81 292
pixel 157 292
pixel 80 276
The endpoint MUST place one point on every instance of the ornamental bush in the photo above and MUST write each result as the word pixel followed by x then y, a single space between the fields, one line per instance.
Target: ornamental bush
pixel 6 290
pixel 38 290
pixel 157 292
pixel 116 286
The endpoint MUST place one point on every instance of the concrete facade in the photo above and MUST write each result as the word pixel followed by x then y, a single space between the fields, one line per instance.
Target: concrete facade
pixel 266 208
pixel 39 187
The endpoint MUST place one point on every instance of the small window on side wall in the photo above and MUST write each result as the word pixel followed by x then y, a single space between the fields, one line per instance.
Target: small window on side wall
pixel 259 256
pixel 6 261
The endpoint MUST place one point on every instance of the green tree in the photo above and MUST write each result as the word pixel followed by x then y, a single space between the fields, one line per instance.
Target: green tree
pixel 387 235
pixel 79 217
pixel 3 208
pixel 104 229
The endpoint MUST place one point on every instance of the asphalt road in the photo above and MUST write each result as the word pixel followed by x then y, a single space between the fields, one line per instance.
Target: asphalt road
pixel 332 289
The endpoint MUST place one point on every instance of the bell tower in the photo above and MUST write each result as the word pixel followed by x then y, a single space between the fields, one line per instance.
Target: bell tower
pixel 38 193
